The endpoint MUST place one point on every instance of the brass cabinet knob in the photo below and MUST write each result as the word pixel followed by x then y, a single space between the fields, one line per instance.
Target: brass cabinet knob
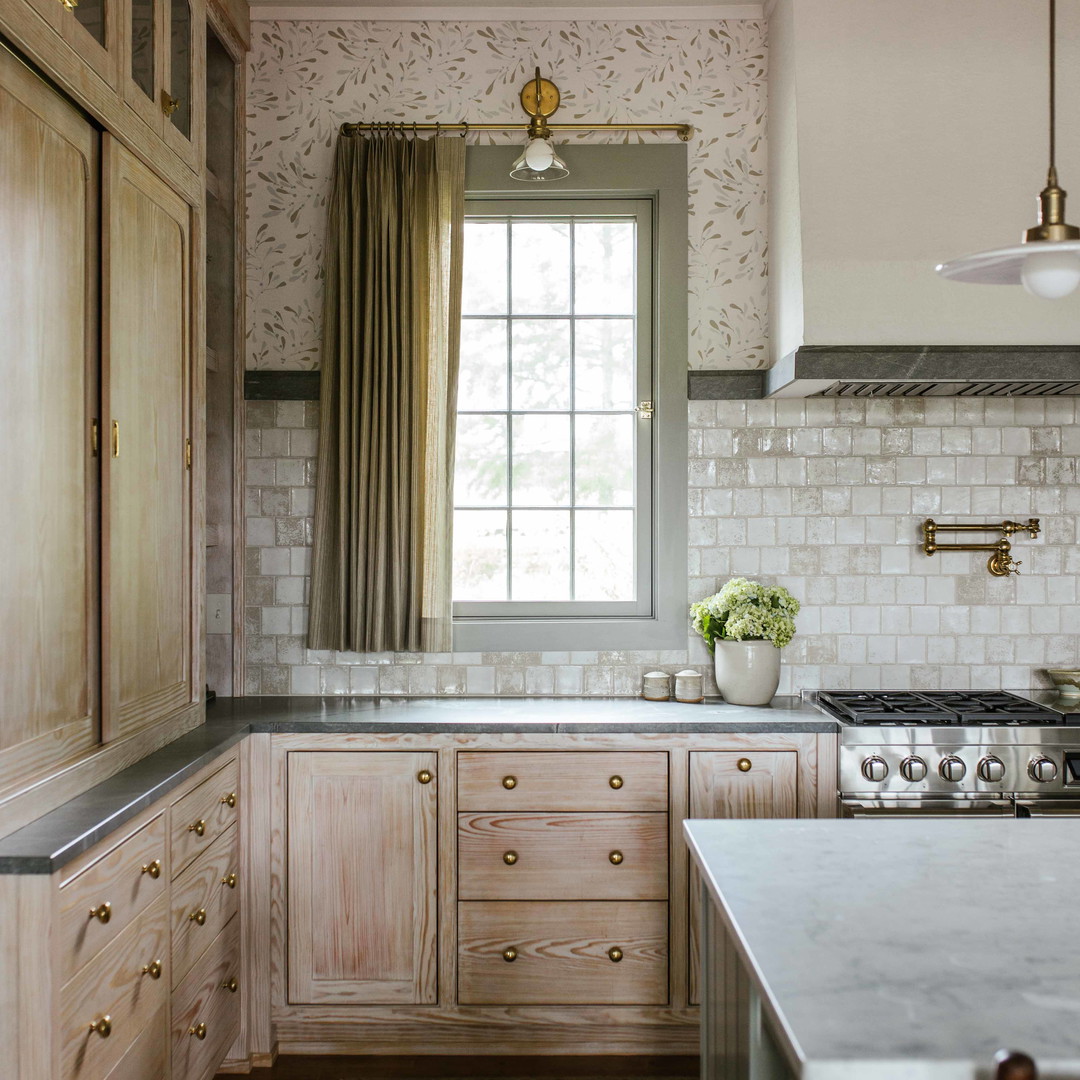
pixel 509 782
pixel 614 954
pixel 102 1026
pixel 232 985
pixel 615 858
pixel 103 912
pixel 153 969
pixel 199 1031
pixel 510 955
pixel 229 800
pixel 199 828
pixel 198 916
pixel 615 782
pixel 510 857
pixel 744 764
pixel 153 868
pixel 424 776
pixel 230 880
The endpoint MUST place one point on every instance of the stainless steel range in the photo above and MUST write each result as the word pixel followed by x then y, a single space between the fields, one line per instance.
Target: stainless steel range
pixel 943 753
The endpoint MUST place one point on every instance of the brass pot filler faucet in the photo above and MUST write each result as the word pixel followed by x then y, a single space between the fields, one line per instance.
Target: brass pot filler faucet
pixel 1001 562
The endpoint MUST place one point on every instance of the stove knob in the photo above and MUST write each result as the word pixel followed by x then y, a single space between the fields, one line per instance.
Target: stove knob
pixel 913 769
pixel 991 769
pixel 952 768
pixel 875 768
pixel 1042 770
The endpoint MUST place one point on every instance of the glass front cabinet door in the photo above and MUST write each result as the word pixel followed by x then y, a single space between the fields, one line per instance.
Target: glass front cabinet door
pixel 91 28
pixel 164 64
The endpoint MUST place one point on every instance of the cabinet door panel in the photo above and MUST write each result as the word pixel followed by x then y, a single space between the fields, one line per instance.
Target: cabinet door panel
pixel 49 225
pixel 722 786
pixel 362 872
pixel 147 482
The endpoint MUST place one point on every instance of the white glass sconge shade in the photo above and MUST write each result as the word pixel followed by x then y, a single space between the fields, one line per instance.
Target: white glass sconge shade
pixel 539 161
pixel 1051 274
pixel 1047 268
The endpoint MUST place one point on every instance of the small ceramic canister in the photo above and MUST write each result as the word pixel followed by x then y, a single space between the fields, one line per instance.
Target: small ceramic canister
pixel 689 687
pixel 656 686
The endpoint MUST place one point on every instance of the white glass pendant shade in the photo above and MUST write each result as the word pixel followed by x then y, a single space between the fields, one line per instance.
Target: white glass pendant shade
pixel 539 161
pixel 1047 268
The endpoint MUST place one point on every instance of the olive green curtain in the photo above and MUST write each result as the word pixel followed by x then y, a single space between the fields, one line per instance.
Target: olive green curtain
pixel 381 571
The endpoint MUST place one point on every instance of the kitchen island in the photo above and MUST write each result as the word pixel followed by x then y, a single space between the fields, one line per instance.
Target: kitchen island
pixel 880 950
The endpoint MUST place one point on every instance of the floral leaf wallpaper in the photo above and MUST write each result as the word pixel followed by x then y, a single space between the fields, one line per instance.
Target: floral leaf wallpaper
pixel 307 78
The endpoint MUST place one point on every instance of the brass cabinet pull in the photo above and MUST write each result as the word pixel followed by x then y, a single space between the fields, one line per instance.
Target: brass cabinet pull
pixel 509 782
pixel 199 828
pixel 615 782
pixel 232 985
pixel 614 954
pixel 744 764
pixel 116 438
pixel 615 858
pixel 199 1031
pixel 230 880
pixel 102 1026
pixel 229 800
pixel 153 868
pixel 153 969
pixel 169 104
pixel 103 912
pixel 198 916
pixel 509 857
pixel 187 458
pixel 510 955
pixel 424 776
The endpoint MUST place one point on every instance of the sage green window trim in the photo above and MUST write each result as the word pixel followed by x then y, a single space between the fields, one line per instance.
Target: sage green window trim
pixel 654 177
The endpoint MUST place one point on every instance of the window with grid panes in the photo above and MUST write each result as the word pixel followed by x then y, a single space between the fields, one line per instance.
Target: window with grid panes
pixel 552 492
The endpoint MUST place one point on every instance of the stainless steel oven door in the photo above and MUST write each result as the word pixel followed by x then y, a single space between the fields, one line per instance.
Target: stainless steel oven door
pixel 925 808
pixel 1031 808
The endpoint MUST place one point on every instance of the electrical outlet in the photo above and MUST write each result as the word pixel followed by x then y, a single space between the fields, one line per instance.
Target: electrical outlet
pixel 218 613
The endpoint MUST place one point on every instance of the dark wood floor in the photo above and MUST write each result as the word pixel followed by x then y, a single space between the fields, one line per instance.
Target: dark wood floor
pixel 479 1068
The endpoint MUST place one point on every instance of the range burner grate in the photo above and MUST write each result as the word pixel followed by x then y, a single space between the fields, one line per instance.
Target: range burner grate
pixel 903 708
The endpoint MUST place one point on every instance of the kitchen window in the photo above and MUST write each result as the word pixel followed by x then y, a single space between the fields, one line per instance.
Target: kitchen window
pixel 564 427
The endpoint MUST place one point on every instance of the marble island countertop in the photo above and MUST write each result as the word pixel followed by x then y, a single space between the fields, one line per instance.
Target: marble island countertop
pixel 905 949
pixel 58 837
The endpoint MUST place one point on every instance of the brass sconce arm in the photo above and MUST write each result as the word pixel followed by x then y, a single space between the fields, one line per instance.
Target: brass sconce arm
pixel 1001 562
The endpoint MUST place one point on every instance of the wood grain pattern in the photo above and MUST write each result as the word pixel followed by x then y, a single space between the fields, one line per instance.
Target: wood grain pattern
pixel 49 163
pixel 204 803
pixel 115 877
pixel 147 490
pixel 720 789
pixel 826 777
pixel 201 889
pixel 362 878
pixel 191 148
pixel 204 999
pixel 562 953
pixel 562 780
pixel 114 984
pixel 148 1058
pixel 562 856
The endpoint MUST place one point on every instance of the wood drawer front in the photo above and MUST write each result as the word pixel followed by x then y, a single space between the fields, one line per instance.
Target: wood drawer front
pixel 207 804
pixel 203 902
pixel 148 1058
pixel 114 984
pixel 562 952
pixel 562 856
pixel 123 879
pixel 563 780
pixel 204 998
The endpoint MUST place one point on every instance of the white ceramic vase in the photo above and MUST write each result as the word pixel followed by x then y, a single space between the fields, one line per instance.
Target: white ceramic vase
pixel 747 672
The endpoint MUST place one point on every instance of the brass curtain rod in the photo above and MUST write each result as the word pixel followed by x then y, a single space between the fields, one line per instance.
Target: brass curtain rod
pixel 684 131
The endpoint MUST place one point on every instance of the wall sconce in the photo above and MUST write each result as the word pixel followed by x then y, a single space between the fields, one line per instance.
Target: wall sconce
pixel 538 161
pixel 1000 563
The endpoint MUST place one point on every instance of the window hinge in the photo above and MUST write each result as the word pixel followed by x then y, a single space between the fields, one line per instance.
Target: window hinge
pixel 187 453
pixel 645 410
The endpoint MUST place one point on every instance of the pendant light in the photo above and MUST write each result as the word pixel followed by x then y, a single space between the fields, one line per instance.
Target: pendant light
pixel 1047 263
pixel 538 161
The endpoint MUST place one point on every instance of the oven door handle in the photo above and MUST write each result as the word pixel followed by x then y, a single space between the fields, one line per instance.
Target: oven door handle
pixel 1038 808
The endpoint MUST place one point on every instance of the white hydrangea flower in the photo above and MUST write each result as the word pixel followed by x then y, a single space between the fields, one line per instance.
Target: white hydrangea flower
pixel 746 611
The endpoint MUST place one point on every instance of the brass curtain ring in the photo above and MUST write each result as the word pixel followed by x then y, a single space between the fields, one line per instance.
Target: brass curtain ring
pixel 414 129
pixel 438 129
pixel 465 125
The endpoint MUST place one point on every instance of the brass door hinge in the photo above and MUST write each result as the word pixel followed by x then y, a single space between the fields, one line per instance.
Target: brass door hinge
pixel 94 437
pixel 645 410
pixel 187 453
